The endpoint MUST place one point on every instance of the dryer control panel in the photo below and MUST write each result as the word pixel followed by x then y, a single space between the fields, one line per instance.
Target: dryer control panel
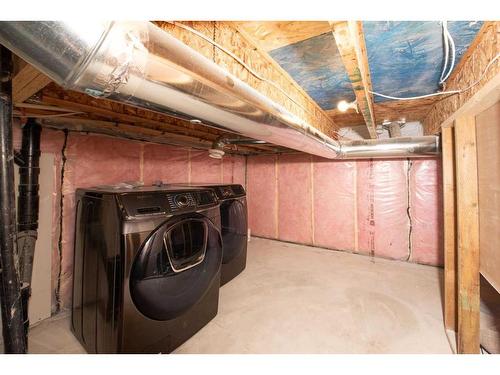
pixel 163 203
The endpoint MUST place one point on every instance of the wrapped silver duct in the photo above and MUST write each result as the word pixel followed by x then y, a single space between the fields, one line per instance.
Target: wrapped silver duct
pixel 139 64
pixel 424 146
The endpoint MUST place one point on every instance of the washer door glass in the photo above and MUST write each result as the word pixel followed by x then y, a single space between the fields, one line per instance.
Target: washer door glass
pixel 234 228
pixel 176 266
pixel 186 243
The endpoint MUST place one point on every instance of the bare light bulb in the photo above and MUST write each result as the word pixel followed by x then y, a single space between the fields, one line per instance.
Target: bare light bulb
pixel 343 106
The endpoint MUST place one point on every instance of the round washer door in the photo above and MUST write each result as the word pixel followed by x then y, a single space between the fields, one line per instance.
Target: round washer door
pixel 175 266
pixel 234 228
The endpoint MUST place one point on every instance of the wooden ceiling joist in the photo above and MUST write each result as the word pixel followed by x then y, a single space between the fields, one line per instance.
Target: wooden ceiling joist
pixel 140 133
pixel 27 82
pixel 346 119
pixel 273 35
pixel 408 110
pixel 121 117
pixel 351 44
pixel 470 70
pixel 390 110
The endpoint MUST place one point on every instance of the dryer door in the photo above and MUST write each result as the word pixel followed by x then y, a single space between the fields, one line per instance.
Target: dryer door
pixel 234 228
pixel 175 266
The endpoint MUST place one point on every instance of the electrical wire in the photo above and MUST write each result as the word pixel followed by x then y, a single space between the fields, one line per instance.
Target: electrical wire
pixel 17 114
pixel 42 107
pixel 241 62
pixel 453 52
pixel 450 92
pixel 446 50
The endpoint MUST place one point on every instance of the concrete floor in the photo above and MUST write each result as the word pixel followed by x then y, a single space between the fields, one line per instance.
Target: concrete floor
pixel 299 299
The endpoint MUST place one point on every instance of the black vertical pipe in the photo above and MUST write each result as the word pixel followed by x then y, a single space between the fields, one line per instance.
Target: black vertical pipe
pixel 28 199
pixel 27 209
pixel 10 292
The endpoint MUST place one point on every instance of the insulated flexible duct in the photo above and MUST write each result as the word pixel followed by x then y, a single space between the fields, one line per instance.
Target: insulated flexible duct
pixel 139 64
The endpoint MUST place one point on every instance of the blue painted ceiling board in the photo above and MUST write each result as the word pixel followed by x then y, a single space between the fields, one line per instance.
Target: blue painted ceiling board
pixel 316 65
pixel 406 57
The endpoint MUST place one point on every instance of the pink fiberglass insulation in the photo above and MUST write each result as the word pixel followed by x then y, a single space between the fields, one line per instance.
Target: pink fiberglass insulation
pixel 227 170
pixel 426 212
pixel 165 163
pixel 240 170
pixel 233 170
pixel 382 208
pixel 205 168
pixel 91 160
pixel 379 190
pixel 261 195
pixel 295 198
pixel 334 184
pixel 51 141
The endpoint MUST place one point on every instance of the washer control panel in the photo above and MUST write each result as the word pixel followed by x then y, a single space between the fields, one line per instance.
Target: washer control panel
pixel 178 201
pixel 162 203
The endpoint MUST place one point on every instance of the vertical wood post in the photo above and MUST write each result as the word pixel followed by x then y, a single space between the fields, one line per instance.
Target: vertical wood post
pixel 450 228
pixel 468 235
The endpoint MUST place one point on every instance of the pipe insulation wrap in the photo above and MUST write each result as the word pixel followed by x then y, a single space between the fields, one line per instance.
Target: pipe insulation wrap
pixel 138 63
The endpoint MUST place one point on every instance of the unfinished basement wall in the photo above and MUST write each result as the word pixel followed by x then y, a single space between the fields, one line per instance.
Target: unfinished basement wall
pixel 99 160
pixel 383 208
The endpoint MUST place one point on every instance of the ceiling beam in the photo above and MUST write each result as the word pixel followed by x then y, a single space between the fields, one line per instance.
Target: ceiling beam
pixel 470 70
pixel 130 131
pixel 27 82
pixel 96 109
pixel 54 100
pixel 351 44
pixel 390 110
pixel 271 35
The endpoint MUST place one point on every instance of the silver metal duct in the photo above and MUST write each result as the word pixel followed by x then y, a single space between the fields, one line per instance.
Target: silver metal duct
pixel 424 146
pixel 139 64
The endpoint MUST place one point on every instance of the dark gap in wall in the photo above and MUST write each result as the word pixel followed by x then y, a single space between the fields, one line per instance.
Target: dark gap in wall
pixel 246 173
pixel 408 207
pixel 59 246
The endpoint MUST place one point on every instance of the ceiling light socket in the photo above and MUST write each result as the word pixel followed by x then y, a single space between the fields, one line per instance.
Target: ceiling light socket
pixel 215 153
pixel 344 106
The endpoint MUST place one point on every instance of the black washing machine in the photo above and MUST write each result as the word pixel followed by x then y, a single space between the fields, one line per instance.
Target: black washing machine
pixel 234 219
pixel 146 269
